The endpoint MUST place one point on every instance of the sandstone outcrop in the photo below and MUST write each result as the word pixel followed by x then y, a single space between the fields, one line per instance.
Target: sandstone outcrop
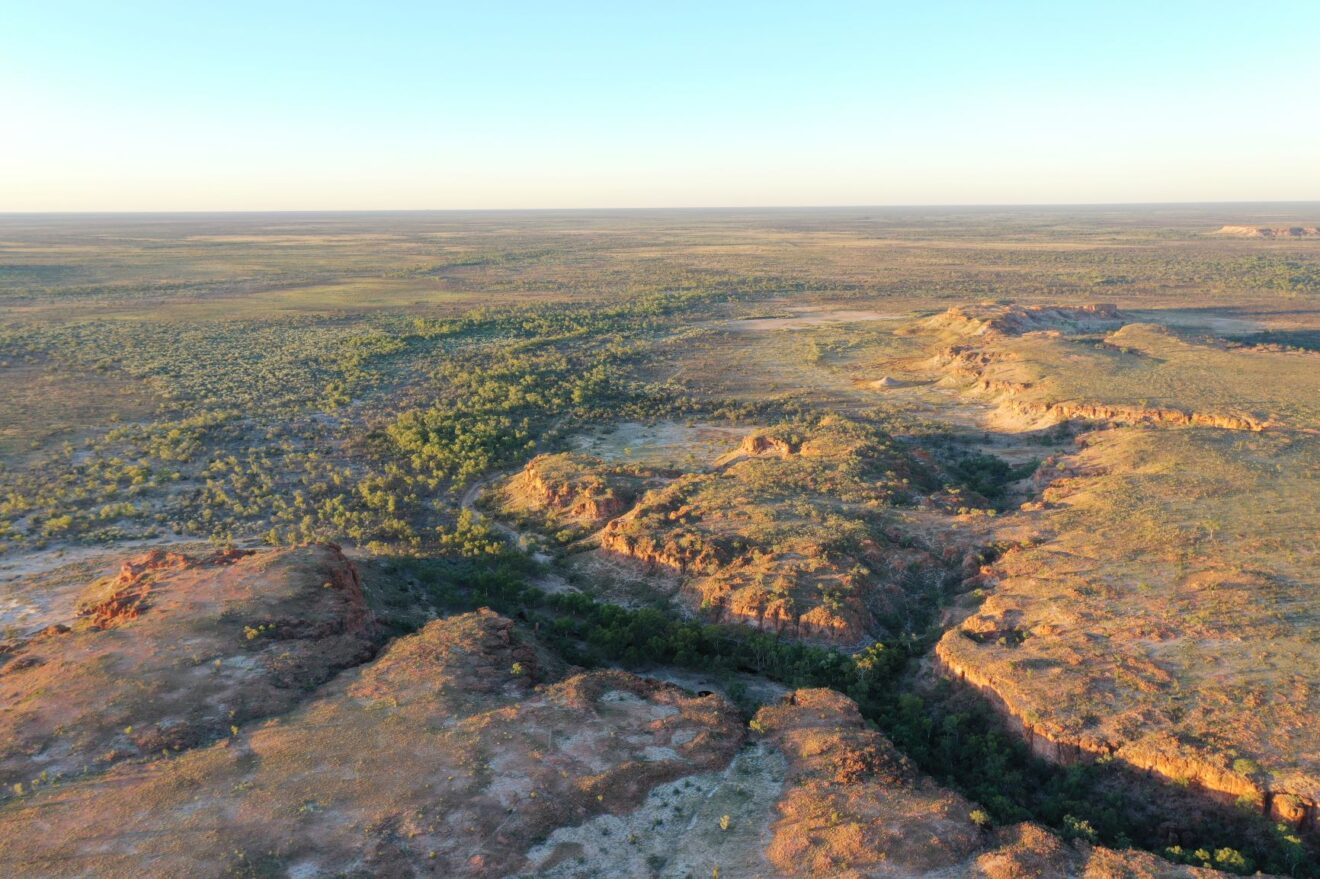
pixel 1115 638
pixel 853 808
pixel 1007 376
pixel 784 536
pixel 448 755
pixel 994 319
pixel 1053 413
pixel 174 651
pixel 571 489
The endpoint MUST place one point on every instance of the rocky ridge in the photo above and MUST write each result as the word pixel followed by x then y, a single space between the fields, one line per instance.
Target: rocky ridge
pixel 1176 667
pixel 448 755
pixel 853 807
pixel 745 556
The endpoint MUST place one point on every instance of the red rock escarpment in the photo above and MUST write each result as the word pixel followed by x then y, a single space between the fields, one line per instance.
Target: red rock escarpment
pixel 974 365
pixel 1270 231
pixel 1134 415
pixel 1161 757
pixel 853 807
pixel 584 497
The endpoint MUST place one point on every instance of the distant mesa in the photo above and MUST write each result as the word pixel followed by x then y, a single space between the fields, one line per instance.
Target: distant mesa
pixel 997 319
pixel 1271 231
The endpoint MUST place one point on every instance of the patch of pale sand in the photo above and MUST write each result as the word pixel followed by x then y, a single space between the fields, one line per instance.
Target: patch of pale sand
pixel 19 565
pixel 584 745
pixel 623 581
pixel 510 783
pixel 622 699
pixel 658 754
pixel 304 870
pixel 662 444
pixel 677 831
pixel 553 583
pixel 1192 319
pixel 803 318
pixel 39 588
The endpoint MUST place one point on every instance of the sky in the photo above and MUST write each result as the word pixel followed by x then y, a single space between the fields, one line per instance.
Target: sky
pixel 131 106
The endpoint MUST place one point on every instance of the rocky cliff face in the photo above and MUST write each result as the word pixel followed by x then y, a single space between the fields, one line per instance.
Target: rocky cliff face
pixel 729 584
pixel 1054 413
pixel 566 486
pixel 853 807
pixel 800 589
pixel 1161 756
pixel 785 534
pixel 988 371
pixel 1122 633
pixel 765 443
pixel 1136 640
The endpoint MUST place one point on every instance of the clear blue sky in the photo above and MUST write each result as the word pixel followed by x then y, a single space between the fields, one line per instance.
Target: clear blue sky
pixel 281 105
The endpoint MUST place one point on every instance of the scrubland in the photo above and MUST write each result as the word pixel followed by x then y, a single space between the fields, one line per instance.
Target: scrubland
pixel 350 545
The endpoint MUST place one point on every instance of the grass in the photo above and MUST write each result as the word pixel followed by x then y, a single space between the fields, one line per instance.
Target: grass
pixel 1147 366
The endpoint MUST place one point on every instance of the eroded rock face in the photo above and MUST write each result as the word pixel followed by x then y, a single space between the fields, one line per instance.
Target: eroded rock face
pixel 1136 638
pixel 766 443
pixel 996 373
pixel 451 754
pixel 174 651
pixel 575 489
pixel 853 805
pixel 1138 373
pixel 786 535
pixel 853 808
pixel 990 319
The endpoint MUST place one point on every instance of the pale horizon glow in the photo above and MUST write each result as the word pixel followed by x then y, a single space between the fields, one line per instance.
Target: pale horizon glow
pixel 440 106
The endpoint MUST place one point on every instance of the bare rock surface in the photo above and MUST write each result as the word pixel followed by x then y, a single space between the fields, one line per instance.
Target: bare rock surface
pixel 172 652
pixel 1140 629
pixel 449 755
pixel 854 808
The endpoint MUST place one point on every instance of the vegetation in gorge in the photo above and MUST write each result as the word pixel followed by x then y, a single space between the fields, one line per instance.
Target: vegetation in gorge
pixel 953 740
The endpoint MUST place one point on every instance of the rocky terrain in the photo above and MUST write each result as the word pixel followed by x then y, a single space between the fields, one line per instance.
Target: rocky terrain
pixel 792 532
pixel 819 794
pixel 575 491
pixel 845 544
pixel 466 749
pixel 1156 635
pixel 447 756
pixel 172 653
pixel 1140 623
pixel 853 807
pixel 1042 366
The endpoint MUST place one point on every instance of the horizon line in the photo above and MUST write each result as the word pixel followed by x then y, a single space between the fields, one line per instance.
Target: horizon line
pixel 656 208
